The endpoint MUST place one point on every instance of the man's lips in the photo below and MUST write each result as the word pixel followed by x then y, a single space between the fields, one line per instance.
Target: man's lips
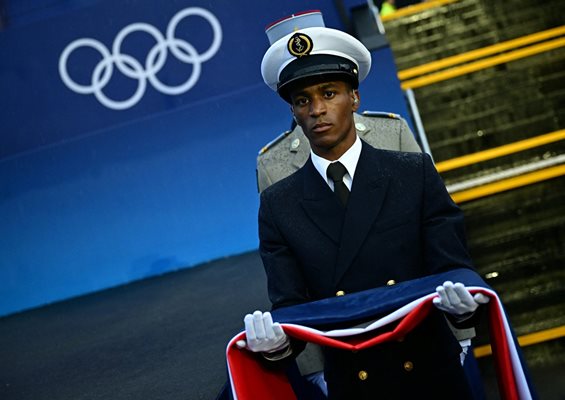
pixel 321 127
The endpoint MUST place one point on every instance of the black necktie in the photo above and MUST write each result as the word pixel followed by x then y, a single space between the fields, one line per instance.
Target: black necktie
pixel 335 172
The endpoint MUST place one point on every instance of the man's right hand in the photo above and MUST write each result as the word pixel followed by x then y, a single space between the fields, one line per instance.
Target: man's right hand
pixel 262 334
pixel 455 299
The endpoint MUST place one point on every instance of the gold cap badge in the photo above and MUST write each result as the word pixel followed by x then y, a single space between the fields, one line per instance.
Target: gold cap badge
pixel 300 45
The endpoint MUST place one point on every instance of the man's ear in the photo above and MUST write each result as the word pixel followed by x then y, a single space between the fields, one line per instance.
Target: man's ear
pixel 292 112
pixel 356 99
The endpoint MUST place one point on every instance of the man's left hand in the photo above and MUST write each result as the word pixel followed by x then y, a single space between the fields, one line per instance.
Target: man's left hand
pixel 456 299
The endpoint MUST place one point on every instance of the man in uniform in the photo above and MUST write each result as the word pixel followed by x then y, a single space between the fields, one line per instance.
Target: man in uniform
pixel 355 218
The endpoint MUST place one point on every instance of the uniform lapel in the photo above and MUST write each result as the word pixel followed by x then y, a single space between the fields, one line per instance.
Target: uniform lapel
pixel 364 204
pixel 321 204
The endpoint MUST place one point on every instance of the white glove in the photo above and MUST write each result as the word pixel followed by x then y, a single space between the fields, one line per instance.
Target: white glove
pixel 262 334
pixel 456 299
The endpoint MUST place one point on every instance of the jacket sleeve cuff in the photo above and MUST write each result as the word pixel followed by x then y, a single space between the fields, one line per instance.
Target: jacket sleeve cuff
pixel 279 354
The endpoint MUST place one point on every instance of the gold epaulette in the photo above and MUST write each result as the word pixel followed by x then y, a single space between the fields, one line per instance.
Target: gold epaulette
pixel 265 148
pixel 381 114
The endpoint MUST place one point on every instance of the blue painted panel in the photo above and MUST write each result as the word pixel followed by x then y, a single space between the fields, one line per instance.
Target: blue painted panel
pixel 92 197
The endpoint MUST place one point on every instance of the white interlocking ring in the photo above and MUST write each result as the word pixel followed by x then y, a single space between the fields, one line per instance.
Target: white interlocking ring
pixel 154 61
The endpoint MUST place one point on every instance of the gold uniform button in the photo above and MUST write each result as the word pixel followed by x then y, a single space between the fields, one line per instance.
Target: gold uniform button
pixel 390 282
pixel 340 293
pixel 363 375
pixel 408 366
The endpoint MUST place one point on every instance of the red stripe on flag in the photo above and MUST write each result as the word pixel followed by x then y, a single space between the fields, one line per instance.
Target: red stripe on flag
pixel 501 352
pixel 251 380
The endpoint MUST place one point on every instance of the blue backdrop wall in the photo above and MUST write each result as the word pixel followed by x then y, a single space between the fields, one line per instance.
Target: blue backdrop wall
pixel 122 158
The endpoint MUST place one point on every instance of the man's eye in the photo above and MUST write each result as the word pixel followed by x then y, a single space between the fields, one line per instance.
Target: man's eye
pixel 329 94
pixel 301 101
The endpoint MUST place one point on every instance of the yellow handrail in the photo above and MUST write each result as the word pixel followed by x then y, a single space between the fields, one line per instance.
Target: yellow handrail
pixel 415 9
pixel 508 184
pixel 527 340
pixel 500 151
pixel 480 53
pixel 482 64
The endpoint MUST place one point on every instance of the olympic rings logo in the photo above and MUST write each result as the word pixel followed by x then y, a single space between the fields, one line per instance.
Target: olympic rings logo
pixel 156 58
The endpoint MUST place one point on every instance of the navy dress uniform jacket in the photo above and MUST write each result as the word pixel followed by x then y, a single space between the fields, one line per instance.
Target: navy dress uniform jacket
pixel 399 224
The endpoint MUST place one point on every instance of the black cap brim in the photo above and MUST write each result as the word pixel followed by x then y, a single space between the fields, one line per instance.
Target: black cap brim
pixel 316 68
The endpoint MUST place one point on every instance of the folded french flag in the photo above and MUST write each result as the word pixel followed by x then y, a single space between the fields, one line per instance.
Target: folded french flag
pixel 408 303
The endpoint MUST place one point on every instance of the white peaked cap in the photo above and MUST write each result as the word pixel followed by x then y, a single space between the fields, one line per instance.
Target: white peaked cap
pixel 297 54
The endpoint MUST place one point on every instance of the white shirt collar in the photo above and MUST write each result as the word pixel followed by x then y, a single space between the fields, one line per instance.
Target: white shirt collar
pixel 349 159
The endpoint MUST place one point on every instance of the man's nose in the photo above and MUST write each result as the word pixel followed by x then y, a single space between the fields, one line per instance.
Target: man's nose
pixel 317 107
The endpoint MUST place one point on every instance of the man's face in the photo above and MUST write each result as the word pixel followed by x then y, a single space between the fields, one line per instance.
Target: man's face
pixel 324 111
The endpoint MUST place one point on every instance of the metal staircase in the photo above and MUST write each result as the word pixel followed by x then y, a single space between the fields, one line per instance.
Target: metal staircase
pixel 489 81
